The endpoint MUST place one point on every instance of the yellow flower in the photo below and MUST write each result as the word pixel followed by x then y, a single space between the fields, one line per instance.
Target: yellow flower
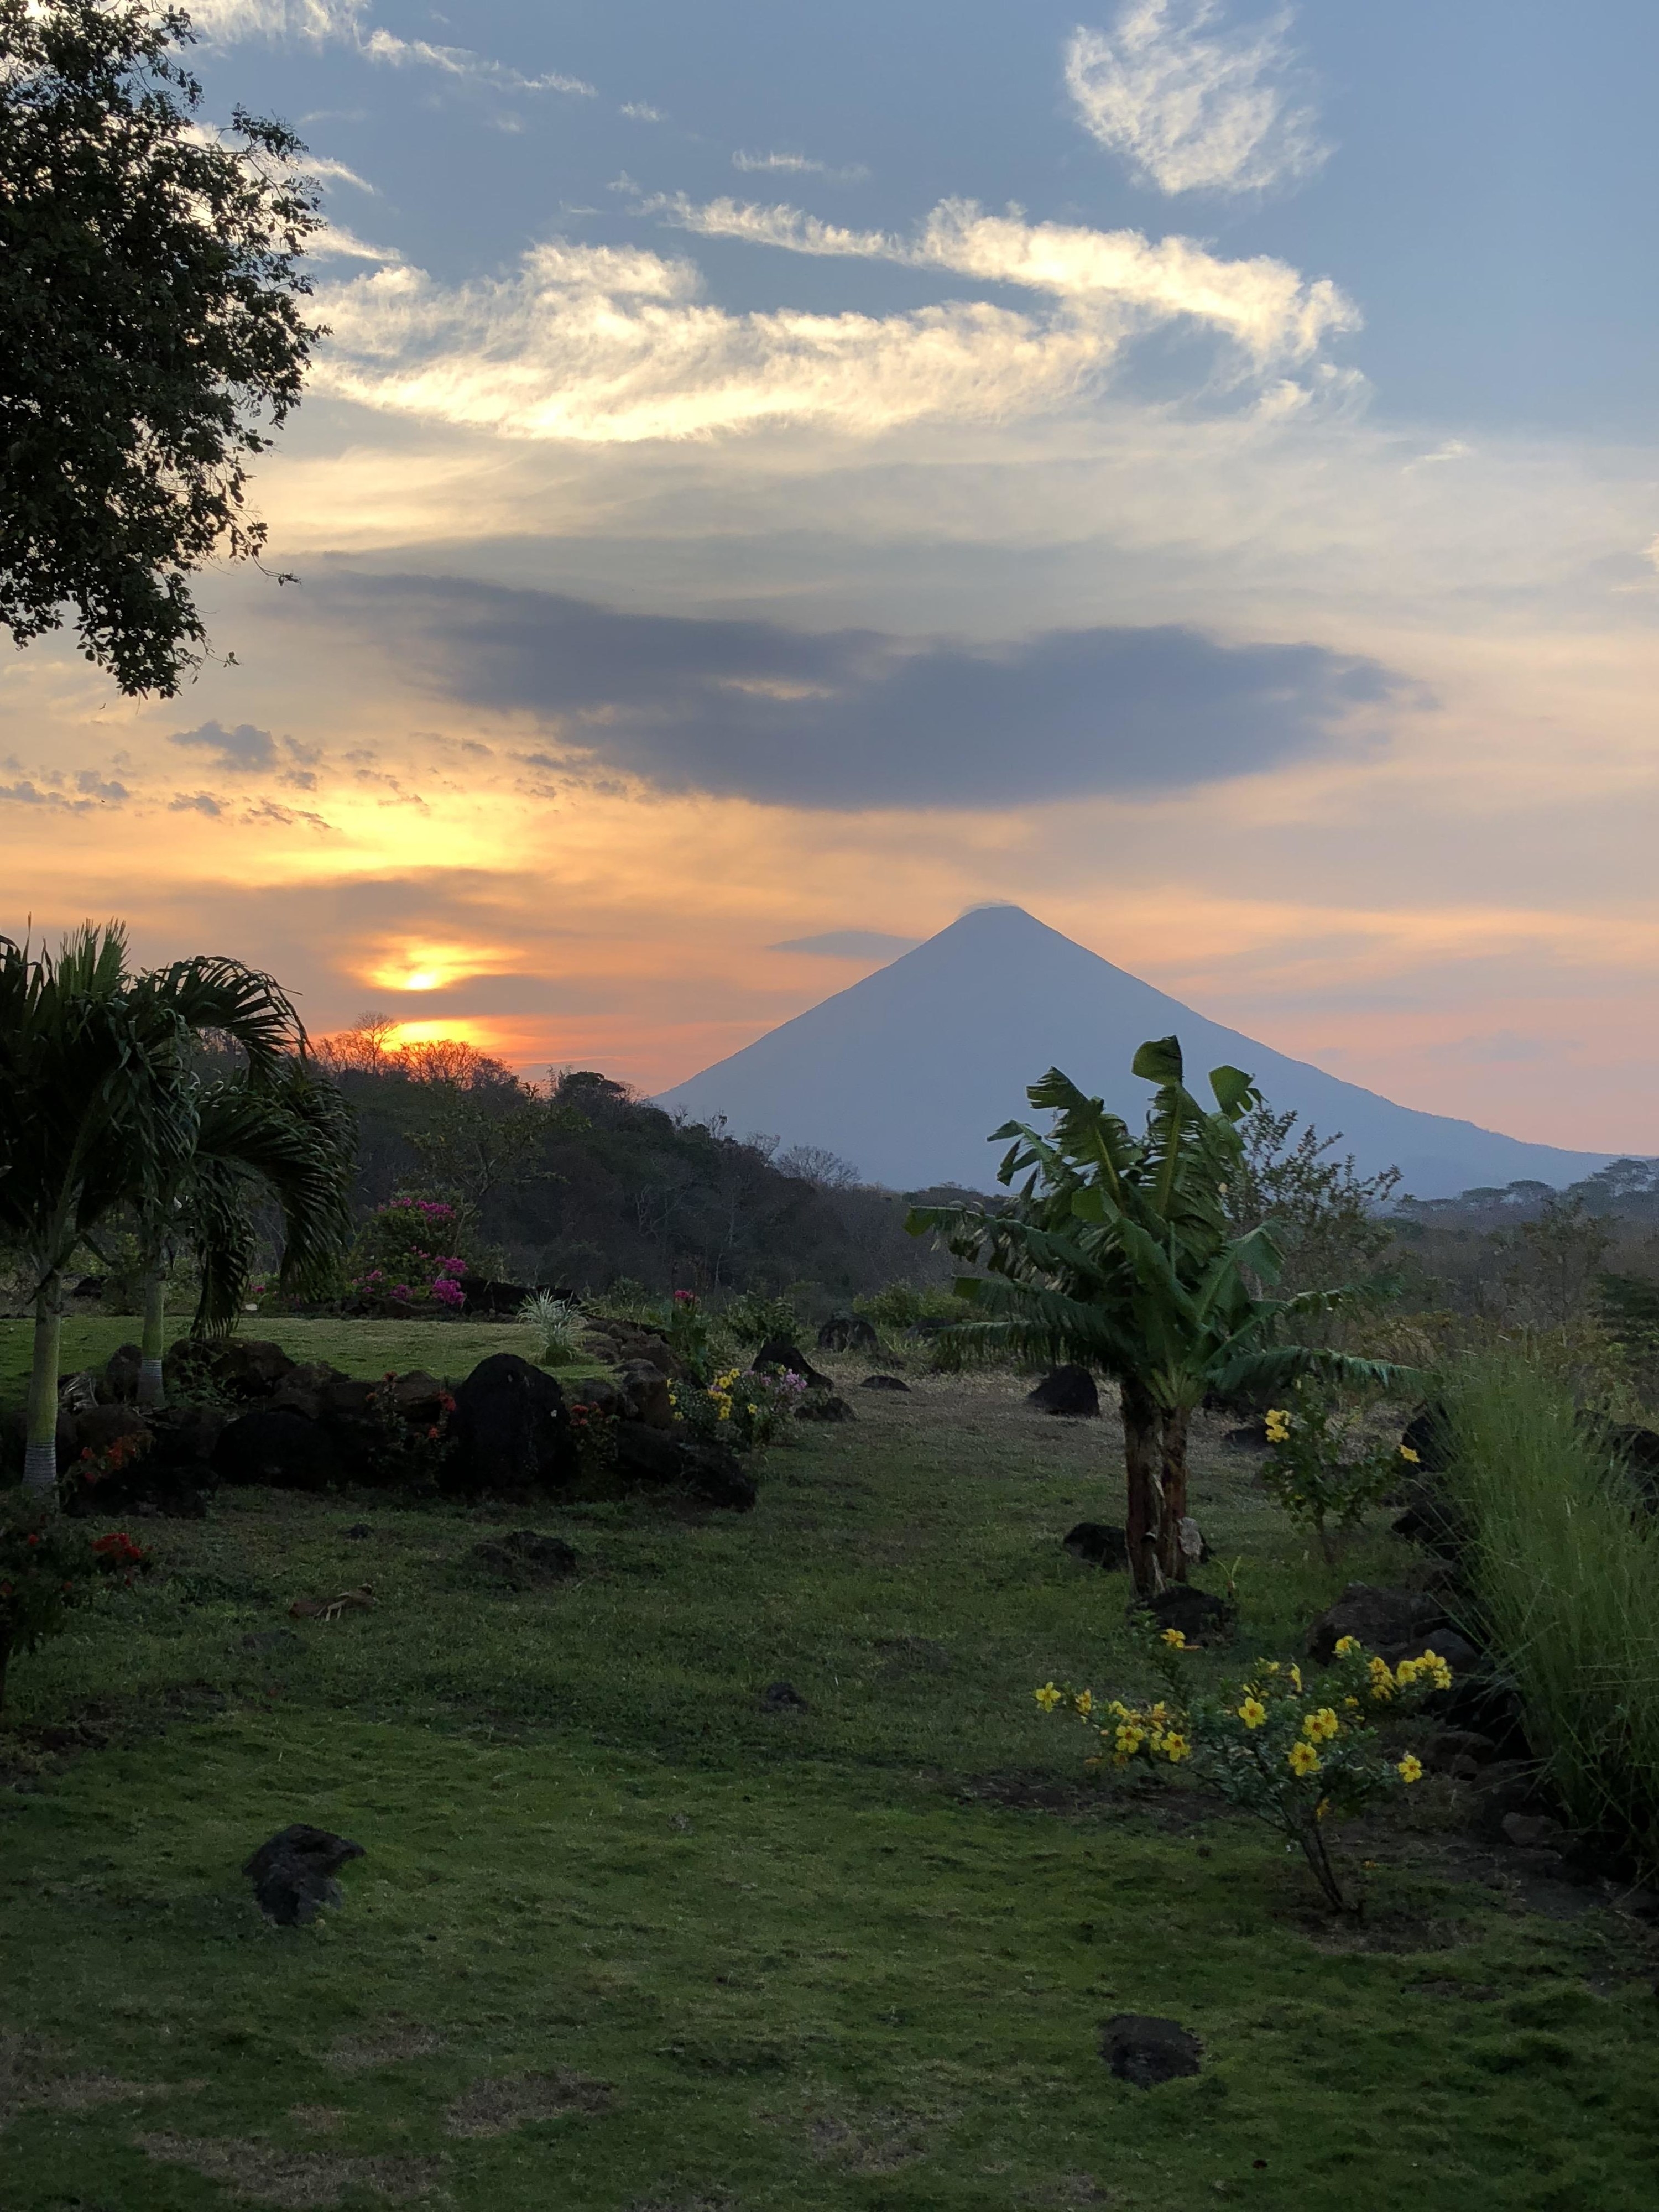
pixel 1118 1709
pixel 1320 1726
pixel 1175 1747
pixel 1303 1758
pixel 1321 1808
pixel 753 1410
pixel 1351 1704
pixel 1438 1669
pixel 1410 1768
pixel 725 1410
pixel 1083 1702
pixel 1277 1423
pixel 1130 1739
pixel 1406 1672
pixel 1345 1644
pixel 1174 1638
pixel 1407 1453
pixel 1382 1683
pixel 1252 1712
pixel 1047 1696
pixel 1295 1680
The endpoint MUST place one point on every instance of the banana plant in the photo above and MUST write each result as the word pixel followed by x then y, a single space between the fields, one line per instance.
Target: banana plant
pixel 1113 1252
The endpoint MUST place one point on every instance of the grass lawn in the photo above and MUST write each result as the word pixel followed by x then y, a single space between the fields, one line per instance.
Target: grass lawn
pixel 625 1939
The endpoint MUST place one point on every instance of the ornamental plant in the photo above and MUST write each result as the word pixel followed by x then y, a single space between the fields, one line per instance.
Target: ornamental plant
pixel 404 1251
pixel 47 1566
pixel 557 1323
pixel 689 1336
pixel 1322 1469
pixel 1292 1755
pixel 739 1407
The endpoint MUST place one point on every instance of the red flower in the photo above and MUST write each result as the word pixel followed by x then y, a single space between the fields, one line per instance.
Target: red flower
pixel 33 1538
pixel 5 1589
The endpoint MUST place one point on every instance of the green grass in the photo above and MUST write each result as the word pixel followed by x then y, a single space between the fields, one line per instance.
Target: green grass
pixel 856 1957
pixel 1568 1577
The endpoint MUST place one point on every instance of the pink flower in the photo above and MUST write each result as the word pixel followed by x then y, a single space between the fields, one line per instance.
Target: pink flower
pixel 400 1289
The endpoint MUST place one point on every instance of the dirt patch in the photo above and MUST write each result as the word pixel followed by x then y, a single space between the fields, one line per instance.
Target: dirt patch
pixel 32 2078
pixel 876 2143
pixel 495 2108
pixel 384 2046
pixel 295 2179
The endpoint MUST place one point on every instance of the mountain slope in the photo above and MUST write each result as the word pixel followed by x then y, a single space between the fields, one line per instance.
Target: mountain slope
pixel 906 1073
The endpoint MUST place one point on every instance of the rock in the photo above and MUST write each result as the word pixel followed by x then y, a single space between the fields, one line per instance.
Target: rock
pixel 823 1406
pixel 121 1373
pixel 100 1426
pixel 524 1560
pixel 646 1394
pixel 510 1430
pixel 1202 1616
pixel 279 1448
pixel 1394 1624
pixel 1426 1434
pixel 1248 1436
pixel 710 1472
pixel 483 1295
pixel 1451 1749
pixel 419 1398
pixel 783 1697
pixel 777 1353
pixel 600 1395
pixel 1432 1519
pixel 847 1332
pixel 1509 1786
pixel 1143 2049
pixel 249 1367
pixel 1069 1391
pixel 1100 1546
pixel 884 1383
pixel 1532 1831
pixel 293 1873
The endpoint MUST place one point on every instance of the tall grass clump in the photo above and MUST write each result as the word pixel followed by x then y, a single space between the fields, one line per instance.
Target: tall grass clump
pixel 1565 1569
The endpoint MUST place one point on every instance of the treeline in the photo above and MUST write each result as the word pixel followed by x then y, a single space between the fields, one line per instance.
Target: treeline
pixel 578 1183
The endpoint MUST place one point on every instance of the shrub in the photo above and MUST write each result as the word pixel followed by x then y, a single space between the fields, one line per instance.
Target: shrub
pixel 753 1318
pixel 1324 1470
pixel 741 1408
pixel 687 1326
pixel 48 1565
pixel 400 1253
pixel 902 1305
pixel 1295 1757
pixel 555 1322
pixel 1567 1580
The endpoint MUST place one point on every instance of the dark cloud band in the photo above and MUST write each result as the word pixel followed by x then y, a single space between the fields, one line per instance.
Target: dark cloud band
pixel 856 720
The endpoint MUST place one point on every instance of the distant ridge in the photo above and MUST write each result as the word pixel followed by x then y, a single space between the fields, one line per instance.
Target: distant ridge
pixel 906 1073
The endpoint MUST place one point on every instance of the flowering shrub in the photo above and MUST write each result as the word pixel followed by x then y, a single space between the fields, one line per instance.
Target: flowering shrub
pixel 595 1436
pixel 400 1254
pixel 742 1409
pixel 1295 1757
pixel 1323 1471
pixel 403 1454
pixel 753 1318
pixel 47 1566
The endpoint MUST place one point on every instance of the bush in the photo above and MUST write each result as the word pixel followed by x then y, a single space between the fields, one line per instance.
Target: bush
pixel 902 1305
pixel 1296 1757
pixel 1324 1471
pixel 743 1409
pixel 48 1565
pixel 401 1253
pixel 1567 1579
pixel 752 1319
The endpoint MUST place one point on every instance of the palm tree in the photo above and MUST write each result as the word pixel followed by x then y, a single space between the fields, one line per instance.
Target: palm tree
pixel 1115 1254
pixel 102 1107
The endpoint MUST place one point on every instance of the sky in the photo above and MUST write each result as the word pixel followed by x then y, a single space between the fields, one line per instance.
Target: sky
pixel 779 476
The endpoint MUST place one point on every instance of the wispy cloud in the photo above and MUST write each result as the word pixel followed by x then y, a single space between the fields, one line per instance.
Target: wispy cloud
pixel 342 23
pixel 610 344
pixel 800 164
pixel 1191 105
pixel 641 111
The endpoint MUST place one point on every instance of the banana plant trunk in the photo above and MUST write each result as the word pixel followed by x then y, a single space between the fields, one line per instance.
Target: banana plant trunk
pixel 1172 1454
pixel 151 1389
pixel 1143 1468
pixel 40 1446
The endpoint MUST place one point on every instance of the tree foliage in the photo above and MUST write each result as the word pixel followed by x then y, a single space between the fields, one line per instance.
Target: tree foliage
pixel 150 291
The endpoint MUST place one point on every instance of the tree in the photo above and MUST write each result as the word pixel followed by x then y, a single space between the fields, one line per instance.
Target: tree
pixel 1327 1218
pixel 285 1136
pixel 103 1108
pixel 150 290
pixel 1115 1253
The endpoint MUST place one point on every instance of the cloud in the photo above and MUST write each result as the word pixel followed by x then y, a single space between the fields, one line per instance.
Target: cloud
pixel 341 22
pixel 641 111
pixel 850 944
pixel 800 164
pixel 856 720
pixel 1191 106
pixel 244 747
pixel 613 345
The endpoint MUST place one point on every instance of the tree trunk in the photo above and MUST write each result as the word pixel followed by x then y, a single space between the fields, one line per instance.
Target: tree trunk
pixel 1141 1466
pixel 1171 1559
pixel 151 1389
pixel 40 1449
